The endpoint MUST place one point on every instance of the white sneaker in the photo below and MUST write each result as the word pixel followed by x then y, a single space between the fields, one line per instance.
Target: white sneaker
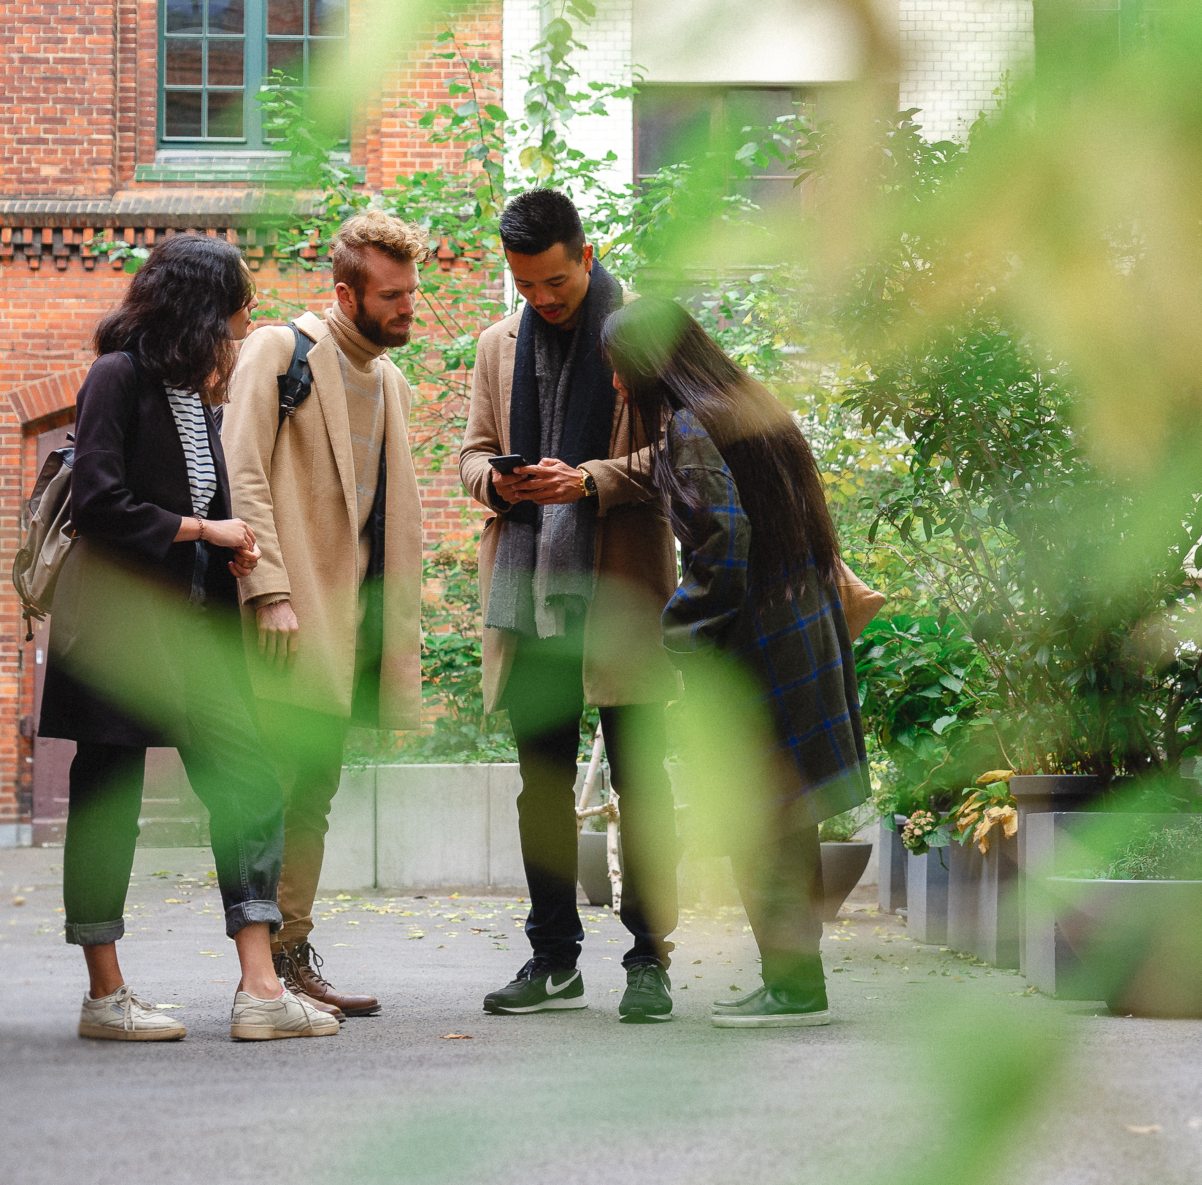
pixel 123 1017
pixel 253 1019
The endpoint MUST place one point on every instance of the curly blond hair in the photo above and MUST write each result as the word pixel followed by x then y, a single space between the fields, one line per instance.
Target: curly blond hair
pixel 373 229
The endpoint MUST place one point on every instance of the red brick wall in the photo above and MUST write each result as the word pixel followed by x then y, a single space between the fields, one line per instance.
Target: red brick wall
pixel 78 114
pixel 57 109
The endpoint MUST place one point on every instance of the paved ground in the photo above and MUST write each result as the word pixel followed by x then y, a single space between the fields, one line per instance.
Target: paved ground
pixel 936 1070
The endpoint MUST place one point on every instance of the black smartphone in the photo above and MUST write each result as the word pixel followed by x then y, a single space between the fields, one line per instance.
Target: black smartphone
pixel 508 463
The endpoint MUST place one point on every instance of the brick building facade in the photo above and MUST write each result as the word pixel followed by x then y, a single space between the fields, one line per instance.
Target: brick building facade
pixel 90 92
pixel 80 122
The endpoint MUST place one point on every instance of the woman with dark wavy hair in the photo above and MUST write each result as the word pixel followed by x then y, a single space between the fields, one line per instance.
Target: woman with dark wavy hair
pixel 143 638
pixel 757 628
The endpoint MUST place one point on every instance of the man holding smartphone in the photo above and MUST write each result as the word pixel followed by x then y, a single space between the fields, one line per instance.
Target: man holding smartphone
pixel 575 566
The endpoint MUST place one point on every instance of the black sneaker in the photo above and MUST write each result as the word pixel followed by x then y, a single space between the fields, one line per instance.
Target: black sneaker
pixel 646 998
pixel 773 1008
pixel 539 987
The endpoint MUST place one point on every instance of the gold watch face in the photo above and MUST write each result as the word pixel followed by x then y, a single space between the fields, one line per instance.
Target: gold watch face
pixel 590 485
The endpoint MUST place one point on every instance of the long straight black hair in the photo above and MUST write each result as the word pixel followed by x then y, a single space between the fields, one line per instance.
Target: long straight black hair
pixel 669 363
pixel 174 317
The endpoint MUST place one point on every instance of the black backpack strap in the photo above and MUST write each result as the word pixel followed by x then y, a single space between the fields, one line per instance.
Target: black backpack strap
pixel 297 381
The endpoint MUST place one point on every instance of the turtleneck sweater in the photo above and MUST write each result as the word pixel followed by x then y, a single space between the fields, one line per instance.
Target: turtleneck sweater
pixel 363 378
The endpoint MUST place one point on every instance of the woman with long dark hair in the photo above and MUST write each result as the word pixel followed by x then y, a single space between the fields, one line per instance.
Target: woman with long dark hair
pixel 143 638
pixel 757 628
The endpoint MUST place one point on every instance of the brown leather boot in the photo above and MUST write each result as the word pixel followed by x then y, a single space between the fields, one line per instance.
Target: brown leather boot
pixel 303 965
pixel 283 968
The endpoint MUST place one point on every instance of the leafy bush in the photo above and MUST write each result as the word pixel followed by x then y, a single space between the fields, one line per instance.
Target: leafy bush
pixel 1159 851
pixel 926 696
pixel 844 827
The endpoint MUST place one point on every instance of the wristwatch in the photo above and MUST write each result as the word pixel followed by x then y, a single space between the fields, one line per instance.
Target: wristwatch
pixel 588 484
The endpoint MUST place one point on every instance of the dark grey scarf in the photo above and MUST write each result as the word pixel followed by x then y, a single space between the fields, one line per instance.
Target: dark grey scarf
pixel 561 406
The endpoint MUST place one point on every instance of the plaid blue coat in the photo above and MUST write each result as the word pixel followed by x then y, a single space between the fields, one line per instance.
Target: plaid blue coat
pixel 798 654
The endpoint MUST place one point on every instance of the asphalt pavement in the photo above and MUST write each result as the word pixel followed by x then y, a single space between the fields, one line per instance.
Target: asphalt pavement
pixel 935 1069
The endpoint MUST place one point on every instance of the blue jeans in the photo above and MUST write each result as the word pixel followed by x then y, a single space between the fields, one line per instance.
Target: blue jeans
pixel 545 699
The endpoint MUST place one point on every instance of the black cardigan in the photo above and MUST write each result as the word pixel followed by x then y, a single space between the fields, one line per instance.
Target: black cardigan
pixel 129 491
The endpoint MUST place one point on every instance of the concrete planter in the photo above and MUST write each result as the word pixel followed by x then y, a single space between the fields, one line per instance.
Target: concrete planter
pixel 982 902
pixel 926 896
pixel 1052 847
pixel 420 827
pixel 1138 943
pixel 892 860
pixel 1041 794
pixel 842 866
pixel 416 828
pixel 592 869
pixel 986 893
pixel 1056 850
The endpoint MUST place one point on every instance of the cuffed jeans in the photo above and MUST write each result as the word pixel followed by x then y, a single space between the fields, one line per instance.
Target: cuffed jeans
pixel 545 698
pixel 229 771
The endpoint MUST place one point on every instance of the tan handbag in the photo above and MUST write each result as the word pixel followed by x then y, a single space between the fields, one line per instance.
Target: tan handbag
pixel 860 603
pixel 47 538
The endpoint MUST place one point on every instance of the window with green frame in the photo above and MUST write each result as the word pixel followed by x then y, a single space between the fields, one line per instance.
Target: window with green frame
pixel 214 55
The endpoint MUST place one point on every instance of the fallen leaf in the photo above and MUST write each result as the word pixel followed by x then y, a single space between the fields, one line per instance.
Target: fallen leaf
pixel 18 900
pixel 456 1036
pixel 1149 1129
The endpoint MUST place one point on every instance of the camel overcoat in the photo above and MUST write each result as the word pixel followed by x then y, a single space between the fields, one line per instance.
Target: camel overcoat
pixel 635 564
pixel 294 483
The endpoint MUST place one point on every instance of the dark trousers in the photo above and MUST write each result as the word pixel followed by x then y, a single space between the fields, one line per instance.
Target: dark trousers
pixel 781 887
pixel 229 771
pixel 545 698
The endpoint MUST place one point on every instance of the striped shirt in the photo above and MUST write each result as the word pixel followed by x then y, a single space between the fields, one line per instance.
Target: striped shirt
pixel 190 423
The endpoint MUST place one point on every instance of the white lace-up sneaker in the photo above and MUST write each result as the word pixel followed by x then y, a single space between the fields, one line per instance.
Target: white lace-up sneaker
pixel 253 1019
pixel 123 1017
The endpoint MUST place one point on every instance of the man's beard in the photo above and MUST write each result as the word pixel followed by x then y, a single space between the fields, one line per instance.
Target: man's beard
pixel 374 331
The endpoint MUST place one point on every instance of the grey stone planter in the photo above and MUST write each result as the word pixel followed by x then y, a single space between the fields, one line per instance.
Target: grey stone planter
pixel 1051 848
pixel 842 866
pixel 891 867
pixel 926 896
pixel 592 870
pixel 982 904
pixel 985 902
pixel 1040 794
pixel 1138 943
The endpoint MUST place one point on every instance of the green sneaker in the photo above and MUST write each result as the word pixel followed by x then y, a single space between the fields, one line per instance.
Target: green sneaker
pixel 773 1008
pixel 647 997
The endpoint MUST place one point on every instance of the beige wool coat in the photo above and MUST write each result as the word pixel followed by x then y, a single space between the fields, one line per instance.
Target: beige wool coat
pixel 295 485
pixel 624 659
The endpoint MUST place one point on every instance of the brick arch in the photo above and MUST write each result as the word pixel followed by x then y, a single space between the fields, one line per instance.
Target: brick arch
pixel 51 396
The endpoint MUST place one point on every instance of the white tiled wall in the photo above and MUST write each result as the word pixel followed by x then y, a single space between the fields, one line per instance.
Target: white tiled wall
pixel 607 37
pixel 954 54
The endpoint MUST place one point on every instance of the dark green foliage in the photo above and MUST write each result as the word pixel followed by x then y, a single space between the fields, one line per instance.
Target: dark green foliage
pixel 927 698
pixel 1159 851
